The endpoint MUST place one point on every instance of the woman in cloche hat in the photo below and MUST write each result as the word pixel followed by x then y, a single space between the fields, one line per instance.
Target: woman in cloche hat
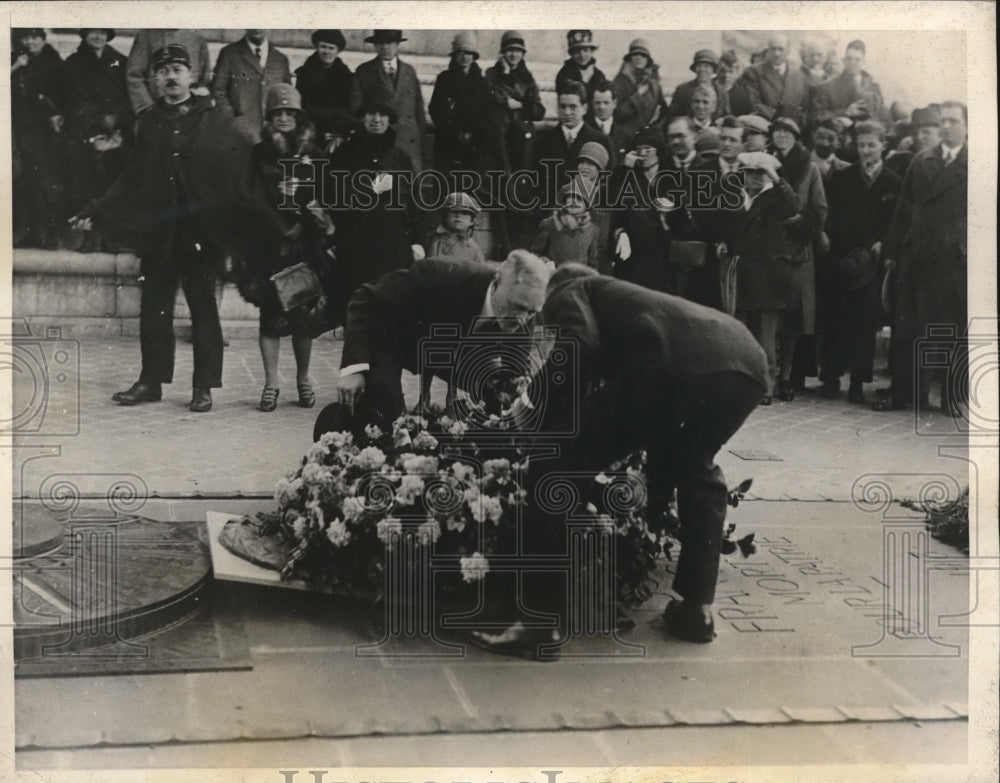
pixel 287 134
pixel 637 86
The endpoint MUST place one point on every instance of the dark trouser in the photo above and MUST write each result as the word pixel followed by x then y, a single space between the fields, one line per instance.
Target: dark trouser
pixel 195 270
pixel 682 434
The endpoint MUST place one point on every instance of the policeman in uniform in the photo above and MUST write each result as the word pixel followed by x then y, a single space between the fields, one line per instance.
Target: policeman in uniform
pixel 185 198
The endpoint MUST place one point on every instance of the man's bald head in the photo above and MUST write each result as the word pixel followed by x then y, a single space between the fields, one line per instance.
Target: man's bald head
pixel 777 49
pixel 519 289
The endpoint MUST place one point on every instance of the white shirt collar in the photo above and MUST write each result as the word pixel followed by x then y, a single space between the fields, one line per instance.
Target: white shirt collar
pixel 262 46
pixel 951 153
pixel 571 133
pixel 393 63
pixel 688 160
pixel 781 68
pixel 725 166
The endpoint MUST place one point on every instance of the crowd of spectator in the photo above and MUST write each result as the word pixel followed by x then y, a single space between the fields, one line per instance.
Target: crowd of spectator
pixel 867 213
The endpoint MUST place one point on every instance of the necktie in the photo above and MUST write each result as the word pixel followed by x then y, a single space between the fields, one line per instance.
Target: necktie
pixel 256 51
pixel 949 156
pixel 392 73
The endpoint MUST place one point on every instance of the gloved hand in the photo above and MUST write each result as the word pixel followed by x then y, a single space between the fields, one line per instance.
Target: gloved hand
pixel 623 248
pixel 382 182
pixel 418 252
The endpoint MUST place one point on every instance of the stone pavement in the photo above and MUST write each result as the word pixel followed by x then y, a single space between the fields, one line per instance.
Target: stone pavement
pixel 789 680
pixel 809 449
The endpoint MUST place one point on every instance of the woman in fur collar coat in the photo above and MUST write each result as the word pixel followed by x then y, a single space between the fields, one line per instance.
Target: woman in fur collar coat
pixel 637 85
pixel 797 345
pixel 287 134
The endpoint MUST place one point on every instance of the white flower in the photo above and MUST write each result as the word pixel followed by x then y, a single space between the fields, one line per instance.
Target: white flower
pixel 370 458
pixel 338 533
pixel 316 513
pixel 409 490
pixel 456 523
pixel 373 431
pixel 463 472
pixel 352 508
pixel 445 422
pixel 299 527
pixel 458 428
pixel 474 567
pixel 420 465
pixel 429 531
pixel 424 440
pixel 500 468
pixel 335 440
pixel 389 529
pixel 486 507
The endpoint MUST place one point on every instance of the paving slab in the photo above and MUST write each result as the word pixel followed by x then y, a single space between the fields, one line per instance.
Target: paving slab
pixel 791 619
pixel 822 447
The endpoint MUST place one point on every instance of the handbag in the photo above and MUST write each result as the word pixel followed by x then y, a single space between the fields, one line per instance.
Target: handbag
pixel 296 285
pixel 687 254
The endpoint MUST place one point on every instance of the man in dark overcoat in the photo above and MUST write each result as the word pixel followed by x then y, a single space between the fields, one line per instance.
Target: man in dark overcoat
pixel 773 87
pixel 927 254
pixel 388 317
pixel 386 71
pixel 862 199
pixel 186 196
pixel 669 376
pixel 245 71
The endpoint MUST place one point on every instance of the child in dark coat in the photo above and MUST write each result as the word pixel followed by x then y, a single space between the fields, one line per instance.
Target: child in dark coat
pixel 569 234
pixel 453 237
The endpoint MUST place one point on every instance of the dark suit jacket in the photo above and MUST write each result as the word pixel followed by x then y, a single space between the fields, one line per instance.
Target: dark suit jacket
pixel 241 82
pixel 928 239
pixel 408 101
pixel 680 103
pixel 620 139
pixel 770 95
pixel 399 308
pixel 649 340
pixel 833 97
pixel 550 144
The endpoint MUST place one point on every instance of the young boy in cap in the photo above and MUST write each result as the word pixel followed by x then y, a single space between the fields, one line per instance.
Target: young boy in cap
pixel 758 131
pixel 452 240
pixel 569 234
pixel 453 236
pixel 592 160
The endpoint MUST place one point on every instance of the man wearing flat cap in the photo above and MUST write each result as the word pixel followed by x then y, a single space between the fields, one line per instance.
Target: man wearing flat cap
pixel 185 198
pixel 705 66
pixel 854 93
pixel 324 82
pixel 244 72
pixel 461 108
pixel 387 72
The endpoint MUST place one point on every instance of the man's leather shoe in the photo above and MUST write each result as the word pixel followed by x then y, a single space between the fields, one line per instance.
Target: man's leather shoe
pixel 201 400
pixel 889 404
pixel 138 393
pixel 687 622
pixel 535 644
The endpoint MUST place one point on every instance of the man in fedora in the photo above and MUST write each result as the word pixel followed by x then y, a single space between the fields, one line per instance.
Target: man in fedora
pixel 926 134
pixel 386 71
pixel 581 66
pixel 705 66
pixel 186 197
pixel 244 73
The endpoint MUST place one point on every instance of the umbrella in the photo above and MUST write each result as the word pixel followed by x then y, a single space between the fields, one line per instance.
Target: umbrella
pixel 727 269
